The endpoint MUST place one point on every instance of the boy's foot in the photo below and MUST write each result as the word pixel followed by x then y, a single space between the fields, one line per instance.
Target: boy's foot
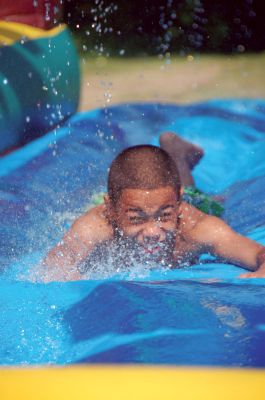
pixel 180 149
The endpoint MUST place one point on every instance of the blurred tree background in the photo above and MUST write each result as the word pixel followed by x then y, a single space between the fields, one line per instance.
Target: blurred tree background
pixel 161 27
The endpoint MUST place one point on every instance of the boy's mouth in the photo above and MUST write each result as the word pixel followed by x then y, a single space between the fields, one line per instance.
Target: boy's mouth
pixel 152 250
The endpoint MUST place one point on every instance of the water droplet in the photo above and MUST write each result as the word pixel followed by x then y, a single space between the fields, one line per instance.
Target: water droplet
pixel 5 81
pixel 241 48
pixel 27 119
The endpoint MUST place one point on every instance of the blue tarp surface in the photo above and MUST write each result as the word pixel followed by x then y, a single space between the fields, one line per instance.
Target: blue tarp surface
pixel 200 316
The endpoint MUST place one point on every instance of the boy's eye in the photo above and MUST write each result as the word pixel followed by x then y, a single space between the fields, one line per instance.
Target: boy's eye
pixel 165 216
pixel 136 220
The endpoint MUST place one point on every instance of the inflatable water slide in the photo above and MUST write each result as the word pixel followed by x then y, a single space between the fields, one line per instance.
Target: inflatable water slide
pixel 191 333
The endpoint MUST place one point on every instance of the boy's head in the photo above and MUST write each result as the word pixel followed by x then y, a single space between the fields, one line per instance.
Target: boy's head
pixel 142 167
pixel 143 200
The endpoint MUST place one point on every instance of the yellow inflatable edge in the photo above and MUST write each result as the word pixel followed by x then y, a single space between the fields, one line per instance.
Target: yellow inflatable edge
pixel 131 383
pixel 11 32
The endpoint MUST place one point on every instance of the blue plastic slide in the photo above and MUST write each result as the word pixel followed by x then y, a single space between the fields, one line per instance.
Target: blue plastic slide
pixel 203 315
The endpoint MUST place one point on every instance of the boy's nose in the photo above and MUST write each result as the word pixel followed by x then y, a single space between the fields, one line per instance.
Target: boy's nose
pixel 152 232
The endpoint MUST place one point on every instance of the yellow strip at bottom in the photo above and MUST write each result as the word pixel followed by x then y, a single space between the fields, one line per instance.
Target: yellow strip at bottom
pixel 132 383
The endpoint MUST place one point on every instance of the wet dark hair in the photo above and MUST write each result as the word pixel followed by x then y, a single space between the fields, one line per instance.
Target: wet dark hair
pixel 142 167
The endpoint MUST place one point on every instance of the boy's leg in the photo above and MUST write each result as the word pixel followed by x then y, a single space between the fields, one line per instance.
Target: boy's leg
pixel 185 154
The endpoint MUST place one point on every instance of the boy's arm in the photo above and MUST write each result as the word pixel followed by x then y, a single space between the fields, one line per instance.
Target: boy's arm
pixel 232 247
pixel 86 232
pixel 62 260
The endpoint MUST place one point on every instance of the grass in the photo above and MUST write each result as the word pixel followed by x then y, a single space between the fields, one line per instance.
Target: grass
pixel 107 81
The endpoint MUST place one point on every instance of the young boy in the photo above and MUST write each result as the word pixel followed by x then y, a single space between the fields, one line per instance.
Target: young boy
pixel 144 218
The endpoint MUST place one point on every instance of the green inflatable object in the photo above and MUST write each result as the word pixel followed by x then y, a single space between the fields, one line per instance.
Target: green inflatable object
pixel 39 84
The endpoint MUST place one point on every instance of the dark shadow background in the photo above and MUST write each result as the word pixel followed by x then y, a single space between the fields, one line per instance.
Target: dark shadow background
pixel 145 27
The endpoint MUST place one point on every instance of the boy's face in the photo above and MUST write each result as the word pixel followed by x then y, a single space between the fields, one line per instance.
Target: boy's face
pixel 147 220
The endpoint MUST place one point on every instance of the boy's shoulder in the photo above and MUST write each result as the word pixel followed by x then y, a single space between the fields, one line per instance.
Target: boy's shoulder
pixel 190 217
pixel 198 226
pixel 93 225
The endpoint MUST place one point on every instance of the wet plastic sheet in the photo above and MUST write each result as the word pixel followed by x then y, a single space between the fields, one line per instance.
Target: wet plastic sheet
pixel 174 317
pixel 56 175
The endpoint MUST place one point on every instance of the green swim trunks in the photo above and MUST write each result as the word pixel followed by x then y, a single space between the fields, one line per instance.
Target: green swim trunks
pixel 202 201
pixel 191 195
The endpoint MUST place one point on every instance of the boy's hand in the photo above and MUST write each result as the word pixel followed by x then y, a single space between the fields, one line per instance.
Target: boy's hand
pixel 260 273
